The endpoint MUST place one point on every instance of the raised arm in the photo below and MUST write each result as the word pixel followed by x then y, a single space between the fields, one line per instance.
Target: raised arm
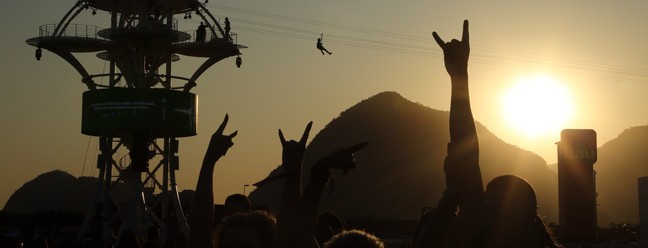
pixel 462 163
pixel 202 212
pixel 292 159
pixel 463 175
pixel 455 56
pixel 341 159
pixel 464 187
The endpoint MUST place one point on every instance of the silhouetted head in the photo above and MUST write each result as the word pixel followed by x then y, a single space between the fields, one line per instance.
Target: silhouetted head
pixel 509 212
pixel 237 203
pixel 328 225
pixel 253 230
pixel 354 239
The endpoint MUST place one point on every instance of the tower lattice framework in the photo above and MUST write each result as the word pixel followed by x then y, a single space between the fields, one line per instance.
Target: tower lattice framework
pixel 142 107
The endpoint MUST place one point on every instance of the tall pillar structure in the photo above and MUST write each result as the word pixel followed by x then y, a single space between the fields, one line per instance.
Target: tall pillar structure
pixel 577 153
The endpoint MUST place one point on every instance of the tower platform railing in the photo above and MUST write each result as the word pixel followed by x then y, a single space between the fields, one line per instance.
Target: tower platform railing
pixel 73 30
pixel 209 37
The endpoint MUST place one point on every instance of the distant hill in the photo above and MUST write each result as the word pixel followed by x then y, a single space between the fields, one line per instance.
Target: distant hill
pixel 58 190
pixel 620 162
pixel 54 190
pixel 402 169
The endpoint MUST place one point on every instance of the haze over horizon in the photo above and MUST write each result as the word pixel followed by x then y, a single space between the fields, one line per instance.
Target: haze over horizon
pixel 595 49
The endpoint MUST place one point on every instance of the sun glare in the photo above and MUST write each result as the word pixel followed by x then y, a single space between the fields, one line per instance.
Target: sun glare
pixel 537 105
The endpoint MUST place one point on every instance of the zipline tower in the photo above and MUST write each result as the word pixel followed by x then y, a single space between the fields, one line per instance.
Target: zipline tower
pixel 142 108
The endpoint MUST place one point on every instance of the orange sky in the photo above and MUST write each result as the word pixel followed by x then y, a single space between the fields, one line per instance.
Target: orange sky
pixel 595 48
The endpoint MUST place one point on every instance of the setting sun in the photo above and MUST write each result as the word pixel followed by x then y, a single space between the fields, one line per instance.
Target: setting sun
pixel 537 105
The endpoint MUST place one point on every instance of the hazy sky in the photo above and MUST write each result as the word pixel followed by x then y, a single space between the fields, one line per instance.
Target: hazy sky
pixel 596 49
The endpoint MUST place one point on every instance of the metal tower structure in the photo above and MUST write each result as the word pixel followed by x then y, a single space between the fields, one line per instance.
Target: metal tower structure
pixel 142 108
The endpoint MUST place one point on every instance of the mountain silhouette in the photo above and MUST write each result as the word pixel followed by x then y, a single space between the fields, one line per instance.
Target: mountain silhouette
pixel 620 162
pixel 58 190
pixel 54 190
pixel 402 169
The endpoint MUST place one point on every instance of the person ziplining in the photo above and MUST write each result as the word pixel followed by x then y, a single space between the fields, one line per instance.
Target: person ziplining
pixel 320 46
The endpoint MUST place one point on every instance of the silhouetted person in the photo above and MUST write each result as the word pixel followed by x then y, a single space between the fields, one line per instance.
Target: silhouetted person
pixel 234 204
pixel 321 47
pixel 237 203
pixel 340 159
pixel 39 53
pixel 298 212
pixel 228 27
pixel 202 211
pixel 201 32
pixel 247 230
pixel 288 219
pixel 502 216
pixel 354 239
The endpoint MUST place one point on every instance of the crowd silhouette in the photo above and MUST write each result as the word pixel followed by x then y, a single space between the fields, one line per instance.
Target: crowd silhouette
pixel 502 215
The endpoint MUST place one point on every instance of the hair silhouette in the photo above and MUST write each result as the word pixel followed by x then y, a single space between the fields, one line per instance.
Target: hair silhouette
pixel 354 239
pixel 254 230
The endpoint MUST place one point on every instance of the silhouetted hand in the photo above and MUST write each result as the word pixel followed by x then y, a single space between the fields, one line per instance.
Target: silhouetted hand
pixel 293 151
pixel 219 143
pixel 341 159
pixel 456 52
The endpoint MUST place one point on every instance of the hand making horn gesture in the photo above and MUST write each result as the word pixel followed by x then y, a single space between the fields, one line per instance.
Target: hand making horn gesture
pixel 219 143
pixel 456 52
pixel 293 151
